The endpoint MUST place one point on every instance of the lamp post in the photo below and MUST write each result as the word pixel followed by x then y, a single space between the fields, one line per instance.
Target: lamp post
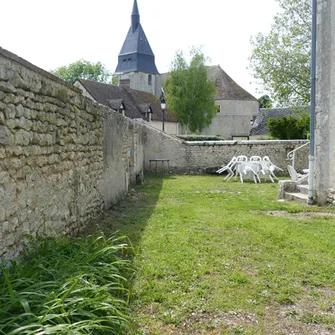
pixel 163 106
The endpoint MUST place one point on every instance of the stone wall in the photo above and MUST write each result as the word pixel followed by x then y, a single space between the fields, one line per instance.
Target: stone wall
pixel 63 158
pixel 197 157
pixel 325 103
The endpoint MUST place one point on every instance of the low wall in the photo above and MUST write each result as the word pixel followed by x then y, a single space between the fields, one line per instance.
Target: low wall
pixel 63 158
pixel 196 157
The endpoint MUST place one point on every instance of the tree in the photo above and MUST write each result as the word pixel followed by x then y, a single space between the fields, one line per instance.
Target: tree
pixel 281 60
pixel 289 127
pixel 189 93
pixel 265 101
pixel 85 70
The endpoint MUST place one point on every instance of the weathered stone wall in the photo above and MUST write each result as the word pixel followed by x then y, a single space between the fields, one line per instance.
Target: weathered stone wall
pixel 196 157
pixel 63 158
pixel 325 103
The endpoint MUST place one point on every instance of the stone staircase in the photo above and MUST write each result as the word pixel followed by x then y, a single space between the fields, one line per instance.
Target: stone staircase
pixel 296 190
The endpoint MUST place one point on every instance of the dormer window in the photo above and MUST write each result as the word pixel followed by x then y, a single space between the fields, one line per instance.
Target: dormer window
pixel 149 79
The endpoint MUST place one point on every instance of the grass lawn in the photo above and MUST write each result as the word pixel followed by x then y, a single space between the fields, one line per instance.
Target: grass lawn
pixel 216 257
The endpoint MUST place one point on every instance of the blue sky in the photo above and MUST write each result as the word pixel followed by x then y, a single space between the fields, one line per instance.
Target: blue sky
pixel 54 33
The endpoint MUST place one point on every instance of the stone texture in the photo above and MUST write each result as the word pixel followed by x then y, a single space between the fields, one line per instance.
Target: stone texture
pixel 325 102
pixel 63 158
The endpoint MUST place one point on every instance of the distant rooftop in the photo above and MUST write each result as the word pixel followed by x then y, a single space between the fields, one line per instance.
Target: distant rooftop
pixel 136 54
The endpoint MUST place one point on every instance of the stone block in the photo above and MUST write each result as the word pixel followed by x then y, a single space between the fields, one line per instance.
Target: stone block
pixel 4 135
pixel 7 87
pixel 4 177
pixel 10 111
pixel 19 111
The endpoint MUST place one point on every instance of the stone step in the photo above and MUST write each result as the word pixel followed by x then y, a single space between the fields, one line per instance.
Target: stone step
pixel 303 188
pixel 297 196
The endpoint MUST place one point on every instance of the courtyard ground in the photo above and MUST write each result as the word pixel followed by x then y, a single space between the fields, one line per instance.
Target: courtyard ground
pixel 215 257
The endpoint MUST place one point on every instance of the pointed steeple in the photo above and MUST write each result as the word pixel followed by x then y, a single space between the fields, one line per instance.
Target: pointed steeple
pixel 136 54
pixel 135 17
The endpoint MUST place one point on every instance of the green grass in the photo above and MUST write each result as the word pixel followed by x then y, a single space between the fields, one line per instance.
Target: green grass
pixel 67 286
pixel 227 258
pixel 211 257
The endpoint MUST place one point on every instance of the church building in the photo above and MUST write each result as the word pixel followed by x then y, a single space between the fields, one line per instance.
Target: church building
pixel 136 66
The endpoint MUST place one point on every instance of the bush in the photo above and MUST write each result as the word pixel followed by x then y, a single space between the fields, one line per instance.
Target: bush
pixel 200 138
pixel 68 286
pixel 289 127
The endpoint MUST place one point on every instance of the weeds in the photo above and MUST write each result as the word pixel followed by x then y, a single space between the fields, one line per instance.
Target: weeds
pixel 67 286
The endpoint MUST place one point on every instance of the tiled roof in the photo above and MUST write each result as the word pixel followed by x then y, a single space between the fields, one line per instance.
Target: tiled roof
pixel 103 93
pixel 226 87
pixel 259 126
pixel 133 100
pixel 115 103
pixel 141 98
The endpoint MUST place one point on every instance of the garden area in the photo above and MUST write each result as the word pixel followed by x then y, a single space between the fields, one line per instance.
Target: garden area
pixel 182 255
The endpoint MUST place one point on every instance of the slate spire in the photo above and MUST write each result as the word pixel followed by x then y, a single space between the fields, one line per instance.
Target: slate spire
pixel 135 17
pixel 136 54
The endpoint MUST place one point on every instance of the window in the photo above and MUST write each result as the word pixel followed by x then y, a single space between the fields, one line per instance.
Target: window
pixel 149 79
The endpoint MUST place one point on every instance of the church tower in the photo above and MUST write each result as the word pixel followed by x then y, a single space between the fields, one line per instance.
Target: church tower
pixel 136 63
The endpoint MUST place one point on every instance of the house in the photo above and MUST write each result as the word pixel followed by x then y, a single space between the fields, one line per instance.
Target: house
pixel 138 105
pixel 236 107
pixel 259 128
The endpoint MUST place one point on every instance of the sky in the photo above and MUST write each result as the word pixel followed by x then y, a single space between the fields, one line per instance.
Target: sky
pixel 51 33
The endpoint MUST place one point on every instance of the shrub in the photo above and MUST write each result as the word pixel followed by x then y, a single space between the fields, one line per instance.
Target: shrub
pixel 289 127
pixel 200 138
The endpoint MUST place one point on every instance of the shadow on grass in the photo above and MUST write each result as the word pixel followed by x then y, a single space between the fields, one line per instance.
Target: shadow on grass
pixel 130 216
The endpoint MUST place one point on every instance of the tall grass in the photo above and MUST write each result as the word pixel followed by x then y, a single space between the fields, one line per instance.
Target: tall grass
pixel 67 286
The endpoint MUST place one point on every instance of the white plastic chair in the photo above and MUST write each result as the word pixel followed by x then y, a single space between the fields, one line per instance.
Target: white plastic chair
pixel 229 167
pixel 247 169
pixel 255 159
pixel 268 168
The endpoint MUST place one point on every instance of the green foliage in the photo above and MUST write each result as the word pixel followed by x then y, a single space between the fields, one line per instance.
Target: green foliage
pixel 280 60
pixel 67 286
pixel 83 69
pixel 189 93
pixel 289 127
pixel 116 80
pixel 265 101
pixel 200 138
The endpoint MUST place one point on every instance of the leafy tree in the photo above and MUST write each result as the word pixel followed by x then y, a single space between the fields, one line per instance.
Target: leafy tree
pixel 265 101
pixel 289 127
pixel 280 60
pixel 85 70
pixel 189 93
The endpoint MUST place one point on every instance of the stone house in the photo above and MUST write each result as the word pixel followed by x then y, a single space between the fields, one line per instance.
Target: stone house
pixel 236 107
pixel 138 105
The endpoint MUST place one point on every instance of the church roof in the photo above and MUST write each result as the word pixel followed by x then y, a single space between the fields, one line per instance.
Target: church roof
pixel 135 102
pixel 136 54
pixel 226 87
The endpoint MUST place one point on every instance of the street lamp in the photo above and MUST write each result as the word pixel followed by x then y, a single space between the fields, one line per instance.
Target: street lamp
pixel 163 106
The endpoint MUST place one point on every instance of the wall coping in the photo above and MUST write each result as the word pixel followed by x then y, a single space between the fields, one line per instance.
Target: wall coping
pixel 249 142
pixel 15 58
